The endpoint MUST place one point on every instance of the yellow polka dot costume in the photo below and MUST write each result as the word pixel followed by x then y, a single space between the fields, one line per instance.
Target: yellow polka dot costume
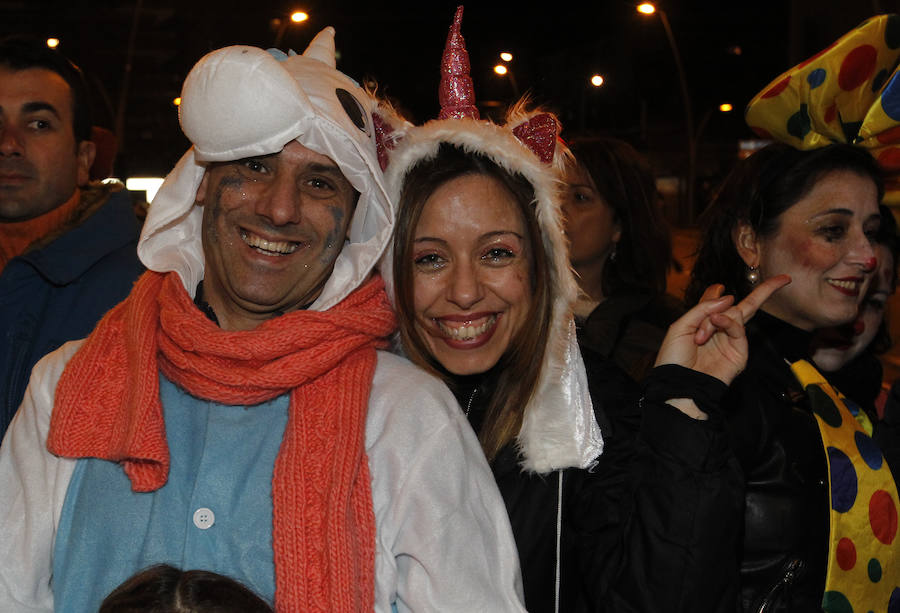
pixel 847 93
pixel 864 553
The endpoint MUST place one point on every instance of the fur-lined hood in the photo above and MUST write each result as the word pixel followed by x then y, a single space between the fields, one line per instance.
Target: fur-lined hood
pixel 559 429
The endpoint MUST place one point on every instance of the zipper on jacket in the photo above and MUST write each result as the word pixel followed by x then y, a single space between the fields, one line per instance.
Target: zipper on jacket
pixel 791 572
pixel 559 500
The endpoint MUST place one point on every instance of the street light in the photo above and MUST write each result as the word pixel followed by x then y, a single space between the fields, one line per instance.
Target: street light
pixel 295 17
pixel 504 71
pixel 648 8
pixel 725 107
pixel 506 56
pixel 53 43
pixel 597 80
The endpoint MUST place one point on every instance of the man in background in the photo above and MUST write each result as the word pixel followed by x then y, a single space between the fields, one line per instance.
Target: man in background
pixel 67 248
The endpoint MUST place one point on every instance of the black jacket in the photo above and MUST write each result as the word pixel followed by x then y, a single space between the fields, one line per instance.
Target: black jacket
pixel 630 529
pixel 776 438
pixel 628 328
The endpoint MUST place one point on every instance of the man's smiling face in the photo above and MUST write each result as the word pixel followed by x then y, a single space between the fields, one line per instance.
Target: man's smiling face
pixel 273 227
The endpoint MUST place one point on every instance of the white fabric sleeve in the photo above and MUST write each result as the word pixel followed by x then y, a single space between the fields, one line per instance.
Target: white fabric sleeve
pixel 33 486
pixel 444 542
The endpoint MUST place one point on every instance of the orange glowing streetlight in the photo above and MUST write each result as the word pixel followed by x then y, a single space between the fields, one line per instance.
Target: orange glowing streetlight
pixel 177 101
pixel 506 56
pixel 726 107
pixel 295 17
pixel 597 80
pixel 648 8
pixel 503 70
pixel 53 43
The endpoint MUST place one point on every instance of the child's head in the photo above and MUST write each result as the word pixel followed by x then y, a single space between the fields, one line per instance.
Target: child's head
pixel 164 589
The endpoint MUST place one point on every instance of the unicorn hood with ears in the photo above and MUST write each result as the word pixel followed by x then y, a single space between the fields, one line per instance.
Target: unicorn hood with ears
pixel 243 101
pixel 559 429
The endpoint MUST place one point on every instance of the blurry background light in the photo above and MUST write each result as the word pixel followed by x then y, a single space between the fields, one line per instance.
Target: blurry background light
pixel 147 184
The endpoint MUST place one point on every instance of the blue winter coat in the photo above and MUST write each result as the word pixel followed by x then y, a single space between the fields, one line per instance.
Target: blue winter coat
pixel 59 292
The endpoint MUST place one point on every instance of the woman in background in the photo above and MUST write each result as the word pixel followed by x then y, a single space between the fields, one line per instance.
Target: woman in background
pixel 621 250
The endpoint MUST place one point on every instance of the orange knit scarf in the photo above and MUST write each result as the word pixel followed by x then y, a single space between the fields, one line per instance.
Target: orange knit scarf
pixel 107 406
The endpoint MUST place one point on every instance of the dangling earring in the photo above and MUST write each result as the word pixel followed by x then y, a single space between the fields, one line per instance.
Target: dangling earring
pixel 753 275
pixel 612 256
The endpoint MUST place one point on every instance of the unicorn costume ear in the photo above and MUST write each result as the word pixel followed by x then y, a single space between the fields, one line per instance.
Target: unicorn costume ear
pixel 540 134
pixel 240 102
pixel 322 48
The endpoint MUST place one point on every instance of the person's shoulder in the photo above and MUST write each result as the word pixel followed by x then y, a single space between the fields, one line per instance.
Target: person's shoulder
pixel 37 405
pixel 116 215
pixel 50 367
pixel 397 377
pixel 403 393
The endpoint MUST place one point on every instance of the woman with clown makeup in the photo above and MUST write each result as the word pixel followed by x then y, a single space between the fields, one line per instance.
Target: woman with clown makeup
pixel 820 497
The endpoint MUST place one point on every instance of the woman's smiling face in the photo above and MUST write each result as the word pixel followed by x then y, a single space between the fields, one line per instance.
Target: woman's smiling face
pixel 471 276
pixel 824 242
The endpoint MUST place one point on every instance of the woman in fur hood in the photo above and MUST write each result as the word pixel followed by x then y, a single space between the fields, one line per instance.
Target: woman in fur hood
pixel 480 279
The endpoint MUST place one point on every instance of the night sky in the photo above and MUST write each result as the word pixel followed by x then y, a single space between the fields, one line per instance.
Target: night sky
pixel 730 49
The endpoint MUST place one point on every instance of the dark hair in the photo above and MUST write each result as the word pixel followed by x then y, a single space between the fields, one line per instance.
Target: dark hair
pixel 758 190
pixel 624 180
pixel 21 53
pixel 520 366
pixel 889 237
pixel 165 589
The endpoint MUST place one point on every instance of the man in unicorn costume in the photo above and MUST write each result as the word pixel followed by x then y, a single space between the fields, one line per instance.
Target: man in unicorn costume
pixel 233 413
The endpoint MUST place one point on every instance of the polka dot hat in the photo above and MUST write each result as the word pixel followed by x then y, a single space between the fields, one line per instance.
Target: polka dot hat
pixel 847 93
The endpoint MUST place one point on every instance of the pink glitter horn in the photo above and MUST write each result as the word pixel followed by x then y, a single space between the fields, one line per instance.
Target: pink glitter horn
pixel 457 93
